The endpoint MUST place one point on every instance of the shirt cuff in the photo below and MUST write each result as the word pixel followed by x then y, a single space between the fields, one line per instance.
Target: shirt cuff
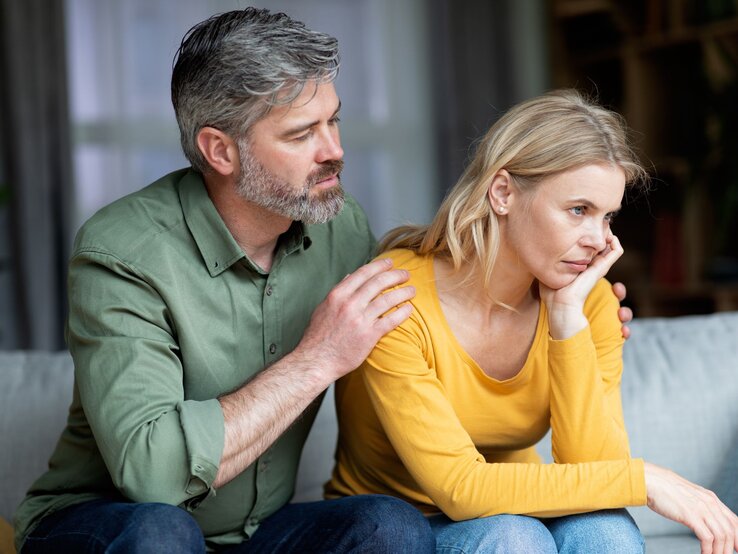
pixel 203 427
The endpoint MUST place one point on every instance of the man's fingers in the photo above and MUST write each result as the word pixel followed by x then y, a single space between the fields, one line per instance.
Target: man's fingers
pixel 379 283
pixel 391 320
pixel 625 315
pixel 388 300
pixel 619 290
pixel 358 278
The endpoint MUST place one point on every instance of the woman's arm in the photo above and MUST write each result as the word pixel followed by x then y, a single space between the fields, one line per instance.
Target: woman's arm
pixel 585 371
pixel 430 440
pixel 668 494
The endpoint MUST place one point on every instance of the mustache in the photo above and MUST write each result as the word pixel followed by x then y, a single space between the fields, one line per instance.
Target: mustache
pixel 327 169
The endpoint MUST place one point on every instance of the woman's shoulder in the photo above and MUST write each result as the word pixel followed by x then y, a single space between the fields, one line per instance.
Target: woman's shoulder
pixel 602 303
pixel 416 264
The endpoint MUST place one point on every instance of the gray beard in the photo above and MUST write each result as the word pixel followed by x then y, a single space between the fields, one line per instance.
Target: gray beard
pixel 258 185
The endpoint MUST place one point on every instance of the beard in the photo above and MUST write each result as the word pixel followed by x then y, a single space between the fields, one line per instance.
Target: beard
pixel 258 185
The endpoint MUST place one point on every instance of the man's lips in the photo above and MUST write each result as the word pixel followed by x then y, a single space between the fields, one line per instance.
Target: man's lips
pixel 328 182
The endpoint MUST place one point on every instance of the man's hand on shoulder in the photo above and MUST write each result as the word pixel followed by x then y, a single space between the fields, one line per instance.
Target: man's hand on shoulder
pixel 625 314
pixel 348 323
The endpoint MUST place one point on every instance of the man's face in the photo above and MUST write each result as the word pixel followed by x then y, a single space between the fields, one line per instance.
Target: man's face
pixel 292 159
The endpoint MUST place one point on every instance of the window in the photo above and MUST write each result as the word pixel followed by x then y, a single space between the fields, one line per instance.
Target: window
pixel 125 133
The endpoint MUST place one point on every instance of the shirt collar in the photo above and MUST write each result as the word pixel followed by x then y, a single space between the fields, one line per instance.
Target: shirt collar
pixel 218 248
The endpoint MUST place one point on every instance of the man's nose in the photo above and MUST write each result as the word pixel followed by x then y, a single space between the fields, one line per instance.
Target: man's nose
pixel 330 147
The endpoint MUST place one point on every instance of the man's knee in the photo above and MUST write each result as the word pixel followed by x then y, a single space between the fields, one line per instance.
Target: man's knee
pixel 389 524
pixel 154 527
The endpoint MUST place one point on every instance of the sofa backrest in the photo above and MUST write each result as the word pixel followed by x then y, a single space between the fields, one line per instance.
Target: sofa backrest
pixel 680 402
pixel 34 400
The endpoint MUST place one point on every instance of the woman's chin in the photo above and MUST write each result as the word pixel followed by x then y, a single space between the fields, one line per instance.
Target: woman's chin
pixel 556 282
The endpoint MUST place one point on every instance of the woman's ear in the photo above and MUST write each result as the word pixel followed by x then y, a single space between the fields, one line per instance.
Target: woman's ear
pixel 219 149
pixel 501 192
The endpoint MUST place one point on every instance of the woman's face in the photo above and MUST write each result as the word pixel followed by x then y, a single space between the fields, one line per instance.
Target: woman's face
pixel 556 230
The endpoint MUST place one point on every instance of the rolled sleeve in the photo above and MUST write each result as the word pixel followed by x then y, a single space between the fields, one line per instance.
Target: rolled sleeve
pixel 203 429
pixel 158 445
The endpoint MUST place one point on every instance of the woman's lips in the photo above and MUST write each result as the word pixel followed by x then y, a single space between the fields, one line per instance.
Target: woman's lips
pixel 578 265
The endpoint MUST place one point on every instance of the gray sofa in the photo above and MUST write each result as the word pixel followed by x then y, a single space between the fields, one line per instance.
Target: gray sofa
pixel 680 397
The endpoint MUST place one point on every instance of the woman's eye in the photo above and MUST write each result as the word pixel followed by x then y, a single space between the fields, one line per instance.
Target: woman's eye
pixel 610 217
pixel 577 210
pixel 304 137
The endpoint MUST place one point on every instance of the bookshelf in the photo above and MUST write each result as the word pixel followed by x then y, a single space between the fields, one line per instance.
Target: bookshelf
pixel 671 68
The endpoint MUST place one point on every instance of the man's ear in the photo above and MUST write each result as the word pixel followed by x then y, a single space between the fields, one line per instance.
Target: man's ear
pixel 219 149
pixel 501 192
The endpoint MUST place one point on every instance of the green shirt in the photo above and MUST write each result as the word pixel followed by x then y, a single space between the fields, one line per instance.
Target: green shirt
pixel 166 313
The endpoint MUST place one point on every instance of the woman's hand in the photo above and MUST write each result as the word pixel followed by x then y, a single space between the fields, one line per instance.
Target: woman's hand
pixel 699 509
pixel 565 306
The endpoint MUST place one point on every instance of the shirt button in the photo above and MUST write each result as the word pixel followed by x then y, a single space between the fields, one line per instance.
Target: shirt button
pixel 272 348
pixel 269 290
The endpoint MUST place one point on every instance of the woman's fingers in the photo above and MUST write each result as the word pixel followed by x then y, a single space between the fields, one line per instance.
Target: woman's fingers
pixel 672 496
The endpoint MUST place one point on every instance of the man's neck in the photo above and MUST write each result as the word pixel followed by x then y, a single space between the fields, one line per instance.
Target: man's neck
pixel 255 229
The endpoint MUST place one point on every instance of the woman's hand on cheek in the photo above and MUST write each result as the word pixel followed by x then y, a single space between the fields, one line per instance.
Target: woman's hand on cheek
pixel 565 306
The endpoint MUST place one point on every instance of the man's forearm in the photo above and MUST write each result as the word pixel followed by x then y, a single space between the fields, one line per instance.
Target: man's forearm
pixel 342 331
pixel 260 411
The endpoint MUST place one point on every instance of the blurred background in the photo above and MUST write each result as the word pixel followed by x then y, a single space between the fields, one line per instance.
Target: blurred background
pixel 86 118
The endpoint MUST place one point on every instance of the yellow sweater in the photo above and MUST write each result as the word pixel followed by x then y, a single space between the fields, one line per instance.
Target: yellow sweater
pixel 421 421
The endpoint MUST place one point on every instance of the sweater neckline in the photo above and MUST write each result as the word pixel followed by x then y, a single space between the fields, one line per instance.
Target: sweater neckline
pixel 523 375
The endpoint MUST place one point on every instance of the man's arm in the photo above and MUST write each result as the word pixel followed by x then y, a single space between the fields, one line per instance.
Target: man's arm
pixel 342 331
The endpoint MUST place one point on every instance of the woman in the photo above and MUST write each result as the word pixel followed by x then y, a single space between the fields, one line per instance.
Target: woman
pixel 514 332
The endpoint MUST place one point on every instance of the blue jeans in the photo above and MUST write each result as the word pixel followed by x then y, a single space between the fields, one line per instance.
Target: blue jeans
pixel 370 523
pixel 604 532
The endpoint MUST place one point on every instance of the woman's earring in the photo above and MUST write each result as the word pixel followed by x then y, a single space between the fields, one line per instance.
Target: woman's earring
pixel 501 209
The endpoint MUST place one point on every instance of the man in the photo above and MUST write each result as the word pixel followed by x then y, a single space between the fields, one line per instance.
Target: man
pixel 183 293
pixel 209 312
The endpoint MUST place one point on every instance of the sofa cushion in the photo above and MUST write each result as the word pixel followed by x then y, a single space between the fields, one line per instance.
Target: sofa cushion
pixel 680 402
pixel 37 391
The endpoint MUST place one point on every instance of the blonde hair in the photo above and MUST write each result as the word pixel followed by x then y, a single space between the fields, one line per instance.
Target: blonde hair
pixel 555 132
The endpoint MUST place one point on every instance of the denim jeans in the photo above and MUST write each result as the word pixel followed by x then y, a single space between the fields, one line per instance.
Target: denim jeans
pixel 605 532
pixel 370 523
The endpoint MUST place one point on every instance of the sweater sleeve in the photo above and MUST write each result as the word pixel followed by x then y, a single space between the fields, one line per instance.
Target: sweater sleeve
pixel 439 454
pixel 585 371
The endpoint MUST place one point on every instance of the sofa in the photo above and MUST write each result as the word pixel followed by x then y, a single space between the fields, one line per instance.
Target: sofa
pixel 680 400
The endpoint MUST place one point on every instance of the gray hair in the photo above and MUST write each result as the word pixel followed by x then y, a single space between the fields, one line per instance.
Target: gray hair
pixel 231 69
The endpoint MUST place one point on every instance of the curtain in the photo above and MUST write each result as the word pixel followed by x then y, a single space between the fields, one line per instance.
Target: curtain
pixel 489 56
pixel 36 155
